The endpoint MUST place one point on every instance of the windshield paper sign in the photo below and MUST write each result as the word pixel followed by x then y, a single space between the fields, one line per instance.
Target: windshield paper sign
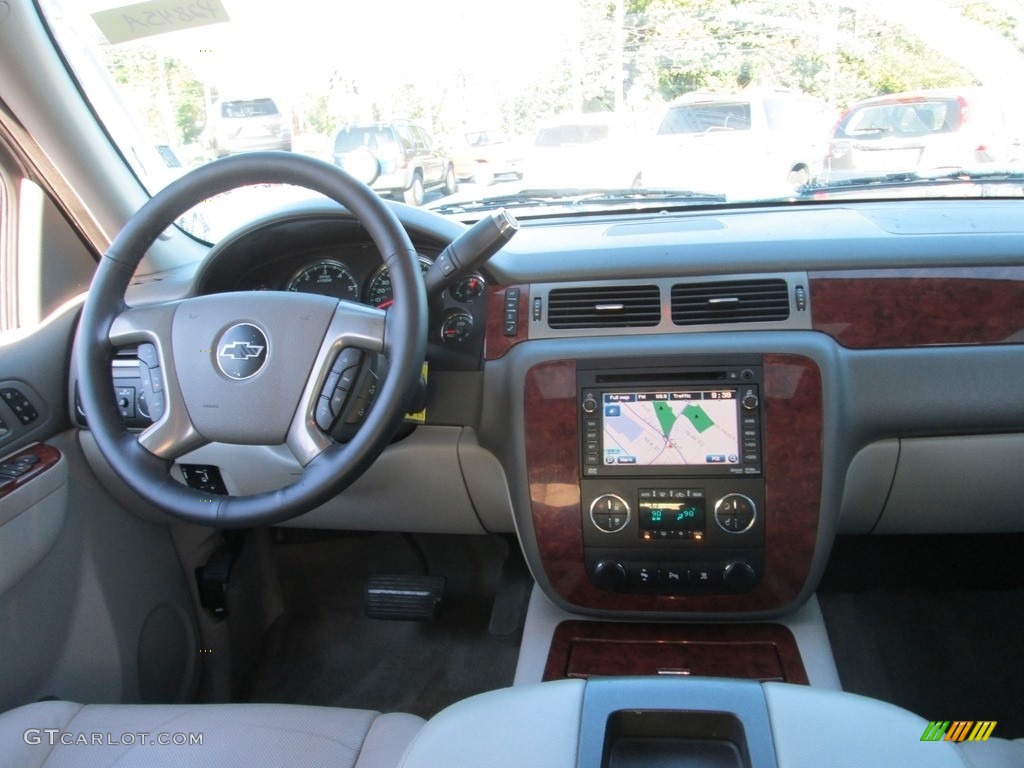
pixel 132 22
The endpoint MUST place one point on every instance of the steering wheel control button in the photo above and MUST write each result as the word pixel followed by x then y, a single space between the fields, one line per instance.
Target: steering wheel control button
pixel 147 354
pixel 324 417
pixel 348 357
pixel 337 401
pixel 126 402
pixel 735 513
pixel 609 513
pixel 242 351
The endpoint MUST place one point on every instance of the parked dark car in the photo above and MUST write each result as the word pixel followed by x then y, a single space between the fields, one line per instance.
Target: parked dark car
pixel 407 161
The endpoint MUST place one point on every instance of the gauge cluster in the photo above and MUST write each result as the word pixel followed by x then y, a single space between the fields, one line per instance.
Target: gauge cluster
pixel 354 271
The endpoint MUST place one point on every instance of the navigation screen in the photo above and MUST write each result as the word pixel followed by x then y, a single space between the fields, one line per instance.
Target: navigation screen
pixel 674 427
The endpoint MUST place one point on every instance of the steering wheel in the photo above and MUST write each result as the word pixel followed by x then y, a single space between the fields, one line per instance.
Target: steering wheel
pixel 250 368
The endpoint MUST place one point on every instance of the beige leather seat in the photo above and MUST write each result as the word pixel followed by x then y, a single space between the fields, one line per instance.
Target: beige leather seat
pixel 57 733
pixel 530 725
pixel 994 753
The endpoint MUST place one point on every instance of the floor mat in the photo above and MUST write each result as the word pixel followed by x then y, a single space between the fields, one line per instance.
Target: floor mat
pixel 324 651
pixel 931 624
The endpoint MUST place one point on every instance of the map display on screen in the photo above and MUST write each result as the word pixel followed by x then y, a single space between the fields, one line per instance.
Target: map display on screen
pixel 676 427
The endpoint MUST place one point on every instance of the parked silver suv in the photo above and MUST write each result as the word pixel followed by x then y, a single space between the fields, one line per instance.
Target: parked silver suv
pixel 245 125
pixel 397 158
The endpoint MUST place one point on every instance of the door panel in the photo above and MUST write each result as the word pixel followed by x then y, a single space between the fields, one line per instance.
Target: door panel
pixel 94 603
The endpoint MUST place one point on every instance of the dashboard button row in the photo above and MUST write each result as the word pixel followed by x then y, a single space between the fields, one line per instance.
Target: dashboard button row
pixel 511 317
pixel 671 578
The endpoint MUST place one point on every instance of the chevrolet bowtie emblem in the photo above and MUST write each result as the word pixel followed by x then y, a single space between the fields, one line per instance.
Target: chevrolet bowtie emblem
pixel 240 350
pixel 243 351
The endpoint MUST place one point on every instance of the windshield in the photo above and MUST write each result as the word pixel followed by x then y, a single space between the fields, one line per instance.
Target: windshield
pixel 705 102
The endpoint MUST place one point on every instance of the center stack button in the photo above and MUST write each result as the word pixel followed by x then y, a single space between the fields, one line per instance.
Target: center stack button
pixel 609 513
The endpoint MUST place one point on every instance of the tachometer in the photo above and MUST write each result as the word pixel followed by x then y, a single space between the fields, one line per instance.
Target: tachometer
pixel 327 278
pixel 379 293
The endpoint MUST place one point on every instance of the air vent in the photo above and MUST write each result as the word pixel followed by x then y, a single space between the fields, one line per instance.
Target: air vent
pixel 733 301
pixel 614 306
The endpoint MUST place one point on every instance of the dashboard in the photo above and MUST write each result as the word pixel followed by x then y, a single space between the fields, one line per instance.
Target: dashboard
pixel 333 259
pixel 677 412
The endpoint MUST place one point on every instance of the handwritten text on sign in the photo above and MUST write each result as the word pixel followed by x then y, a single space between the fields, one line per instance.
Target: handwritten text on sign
pixel 156 17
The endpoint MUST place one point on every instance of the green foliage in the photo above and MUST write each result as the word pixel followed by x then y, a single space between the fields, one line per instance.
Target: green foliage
pixel 668 48
pixel 819 48
pixel 168 93
pixel 317 115
pixel 992 17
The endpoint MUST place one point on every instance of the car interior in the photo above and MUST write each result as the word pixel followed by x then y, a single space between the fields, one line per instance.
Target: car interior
pixel 362 484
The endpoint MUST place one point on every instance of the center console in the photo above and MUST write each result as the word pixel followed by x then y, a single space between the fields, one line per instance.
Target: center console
pixel 672 480
pixel 675 483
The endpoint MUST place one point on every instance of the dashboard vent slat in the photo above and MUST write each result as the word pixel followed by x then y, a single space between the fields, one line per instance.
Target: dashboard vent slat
pixel 613 306
pixel 730 301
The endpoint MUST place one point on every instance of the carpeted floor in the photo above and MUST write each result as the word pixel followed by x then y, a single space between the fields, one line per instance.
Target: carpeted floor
pixel 325 651
pixel 932 624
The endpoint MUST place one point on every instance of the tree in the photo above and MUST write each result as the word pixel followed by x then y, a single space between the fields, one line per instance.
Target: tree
pixel 170 94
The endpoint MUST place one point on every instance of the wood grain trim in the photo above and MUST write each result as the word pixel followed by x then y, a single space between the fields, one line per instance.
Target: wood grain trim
pixel 793 467
pixel 747 651
pixel 898 308
pixel 496 343
pixel 48 457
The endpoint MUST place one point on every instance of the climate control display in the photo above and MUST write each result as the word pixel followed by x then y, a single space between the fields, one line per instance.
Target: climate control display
pixel 671 513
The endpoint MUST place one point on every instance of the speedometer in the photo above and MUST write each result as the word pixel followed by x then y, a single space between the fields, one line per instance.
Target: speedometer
pixel 327 278
pixel 379 291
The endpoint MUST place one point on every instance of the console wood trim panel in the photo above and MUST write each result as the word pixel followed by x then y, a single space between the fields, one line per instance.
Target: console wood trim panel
pixel 792 467
pixel 747 651
pixel 898 308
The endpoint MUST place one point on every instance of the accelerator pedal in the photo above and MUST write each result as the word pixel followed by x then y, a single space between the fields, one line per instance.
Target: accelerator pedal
pixel 404 598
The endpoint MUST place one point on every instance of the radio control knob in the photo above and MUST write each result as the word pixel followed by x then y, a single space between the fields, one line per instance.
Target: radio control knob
pixel 589 404
pixel 609 575
pixel 739 576
pixel 749 401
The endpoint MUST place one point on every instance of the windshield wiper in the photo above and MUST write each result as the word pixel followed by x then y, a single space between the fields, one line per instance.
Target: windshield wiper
pixel 912 178
pixel 536 198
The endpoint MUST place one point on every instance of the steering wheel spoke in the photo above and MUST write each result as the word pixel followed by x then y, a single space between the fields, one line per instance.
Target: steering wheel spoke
pixel 355 333
pixel 172 433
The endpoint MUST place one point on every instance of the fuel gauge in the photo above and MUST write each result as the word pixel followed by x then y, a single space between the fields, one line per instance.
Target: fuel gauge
pixel 468 288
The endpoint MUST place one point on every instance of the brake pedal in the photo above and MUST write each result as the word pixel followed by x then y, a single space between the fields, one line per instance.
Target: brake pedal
pixel 404 598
